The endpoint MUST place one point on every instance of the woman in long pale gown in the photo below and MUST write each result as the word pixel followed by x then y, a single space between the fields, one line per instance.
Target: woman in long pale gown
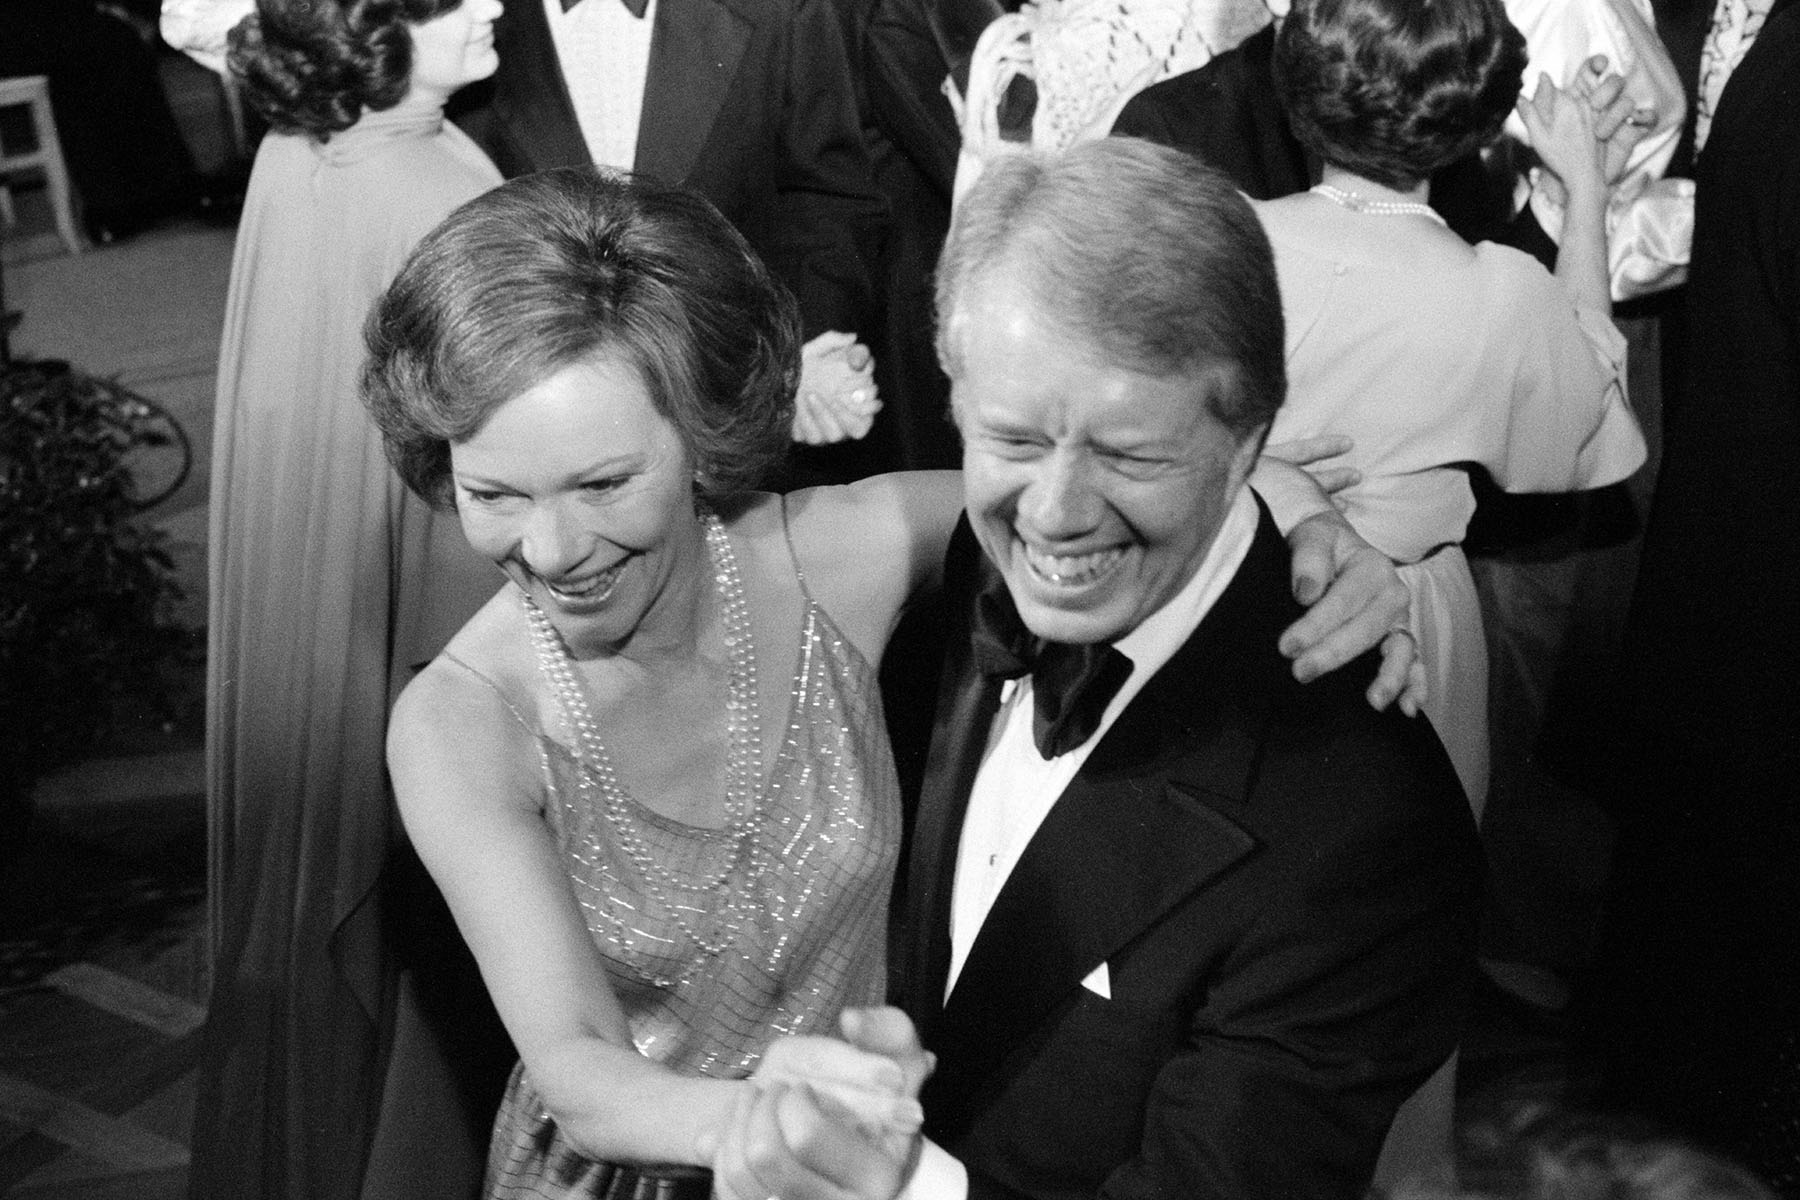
pixel 1429 353
pixel 328 580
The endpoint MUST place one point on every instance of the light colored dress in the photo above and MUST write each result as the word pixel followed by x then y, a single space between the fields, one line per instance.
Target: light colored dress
pixel 1427 368
pixel 329 582
pixel 810 941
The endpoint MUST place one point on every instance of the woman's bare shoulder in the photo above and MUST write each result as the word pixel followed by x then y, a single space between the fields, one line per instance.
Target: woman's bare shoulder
pixel 901 504
pixel 473 709
pixel 868 547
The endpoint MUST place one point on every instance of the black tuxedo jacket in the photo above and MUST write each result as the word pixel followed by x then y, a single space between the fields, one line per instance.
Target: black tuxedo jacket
pixel 1227 113
pixel 1282 884
pixel 747 101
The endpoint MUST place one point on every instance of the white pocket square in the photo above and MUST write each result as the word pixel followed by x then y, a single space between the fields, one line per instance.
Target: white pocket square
pixel 1099 982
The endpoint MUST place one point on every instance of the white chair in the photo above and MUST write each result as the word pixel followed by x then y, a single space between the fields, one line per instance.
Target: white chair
pixel 33 92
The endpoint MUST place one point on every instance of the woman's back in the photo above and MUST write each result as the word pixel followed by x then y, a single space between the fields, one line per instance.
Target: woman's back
pixel 327 583
pixel 1433 354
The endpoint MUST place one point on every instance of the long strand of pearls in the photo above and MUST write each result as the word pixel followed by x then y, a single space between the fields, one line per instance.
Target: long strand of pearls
pixel 743 771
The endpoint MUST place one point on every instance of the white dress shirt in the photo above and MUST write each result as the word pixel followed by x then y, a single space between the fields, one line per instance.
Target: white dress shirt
pixel 1015 787
pixel 605 57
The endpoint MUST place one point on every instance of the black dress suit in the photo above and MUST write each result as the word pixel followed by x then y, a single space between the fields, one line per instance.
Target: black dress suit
pixel 1228 114
pixel 1694 1005
pixel 1282 883
pixel 747 101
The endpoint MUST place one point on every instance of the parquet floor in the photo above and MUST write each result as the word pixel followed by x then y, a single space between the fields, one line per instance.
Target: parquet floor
pixel 102 962
pixel 102 982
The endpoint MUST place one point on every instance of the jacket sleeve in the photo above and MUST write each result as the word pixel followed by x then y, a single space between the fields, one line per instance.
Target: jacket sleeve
pixel 831 218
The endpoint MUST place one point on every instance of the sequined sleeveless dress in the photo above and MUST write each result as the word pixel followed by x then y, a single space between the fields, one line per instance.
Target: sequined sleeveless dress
pixel 810 941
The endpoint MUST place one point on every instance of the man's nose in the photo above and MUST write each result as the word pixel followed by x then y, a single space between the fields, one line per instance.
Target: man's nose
pixel 553 543
pixel 1061 500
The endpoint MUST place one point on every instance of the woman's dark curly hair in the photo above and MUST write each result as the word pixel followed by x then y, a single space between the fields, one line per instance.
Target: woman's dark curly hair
pixel 553 269
pixel 1394 89
pixel 315 66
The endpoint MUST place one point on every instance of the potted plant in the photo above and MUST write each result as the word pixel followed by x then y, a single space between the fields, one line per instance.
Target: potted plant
pixel 87 591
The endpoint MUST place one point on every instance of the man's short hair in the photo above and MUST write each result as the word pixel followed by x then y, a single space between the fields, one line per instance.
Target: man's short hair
pixel 1140 249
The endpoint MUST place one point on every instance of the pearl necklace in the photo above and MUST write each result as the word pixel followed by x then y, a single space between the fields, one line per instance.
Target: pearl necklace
pixel 743 775
pixel 1355 202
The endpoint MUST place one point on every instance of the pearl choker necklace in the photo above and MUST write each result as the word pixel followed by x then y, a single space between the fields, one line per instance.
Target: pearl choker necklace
pixel 1355 202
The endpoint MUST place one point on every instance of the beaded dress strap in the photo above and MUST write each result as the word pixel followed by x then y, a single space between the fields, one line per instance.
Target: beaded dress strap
pixel 518 714
pixel 787 532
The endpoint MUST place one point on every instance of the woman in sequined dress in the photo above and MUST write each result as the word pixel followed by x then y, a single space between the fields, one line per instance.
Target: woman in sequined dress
pixel 559 765
pixel 652 777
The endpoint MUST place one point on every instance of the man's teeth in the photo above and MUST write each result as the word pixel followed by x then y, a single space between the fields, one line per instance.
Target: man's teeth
pixel 1071 569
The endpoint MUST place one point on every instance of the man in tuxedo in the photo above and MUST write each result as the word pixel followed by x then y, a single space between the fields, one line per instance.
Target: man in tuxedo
pixel 747 101
pixel 1175 924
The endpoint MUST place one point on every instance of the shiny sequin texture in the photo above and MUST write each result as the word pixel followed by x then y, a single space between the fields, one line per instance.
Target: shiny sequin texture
pixel 810 919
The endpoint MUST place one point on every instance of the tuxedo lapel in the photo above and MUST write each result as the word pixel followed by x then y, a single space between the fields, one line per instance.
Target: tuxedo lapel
pixel 1137 832
pixel 694 53
pixel 540 119
pixel 967 702
pixel 1109 860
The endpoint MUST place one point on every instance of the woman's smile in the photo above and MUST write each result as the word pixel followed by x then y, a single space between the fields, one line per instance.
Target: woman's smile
pixel 581 491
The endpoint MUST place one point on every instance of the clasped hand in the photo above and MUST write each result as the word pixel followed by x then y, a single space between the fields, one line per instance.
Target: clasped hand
pixel 837 399
pixel 1578 140
pixel 826 1119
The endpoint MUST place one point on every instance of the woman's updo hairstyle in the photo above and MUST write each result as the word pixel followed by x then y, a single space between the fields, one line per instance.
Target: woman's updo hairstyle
pixel 314 66
pixel 1392 90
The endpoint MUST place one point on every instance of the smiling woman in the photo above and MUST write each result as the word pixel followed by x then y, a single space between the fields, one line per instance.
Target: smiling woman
pixel 328 583
pixel 593 538
pixel 671 860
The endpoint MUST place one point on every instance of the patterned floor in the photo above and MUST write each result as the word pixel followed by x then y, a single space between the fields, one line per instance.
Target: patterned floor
pixel 101 900
pixel 102 982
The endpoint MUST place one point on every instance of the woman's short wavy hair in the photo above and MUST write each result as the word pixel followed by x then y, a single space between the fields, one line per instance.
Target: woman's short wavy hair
pixel 556 268
pixel 1392 90
pixel 315 66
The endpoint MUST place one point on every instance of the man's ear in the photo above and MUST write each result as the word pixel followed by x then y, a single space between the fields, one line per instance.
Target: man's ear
pixel 1243 459
pixel 956 410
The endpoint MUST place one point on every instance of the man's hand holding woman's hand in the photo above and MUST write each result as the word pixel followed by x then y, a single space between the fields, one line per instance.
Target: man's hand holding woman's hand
pixel 827 1119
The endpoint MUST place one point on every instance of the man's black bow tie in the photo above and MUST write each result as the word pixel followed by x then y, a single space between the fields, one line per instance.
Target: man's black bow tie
pixel 634 7
pixel 1071 685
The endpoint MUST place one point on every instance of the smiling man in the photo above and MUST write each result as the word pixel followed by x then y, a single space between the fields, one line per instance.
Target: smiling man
pixel 1176 925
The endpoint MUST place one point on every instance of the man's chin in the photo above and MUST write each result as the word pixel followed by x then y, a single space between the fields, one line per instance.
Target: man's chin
pixel 1073 626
